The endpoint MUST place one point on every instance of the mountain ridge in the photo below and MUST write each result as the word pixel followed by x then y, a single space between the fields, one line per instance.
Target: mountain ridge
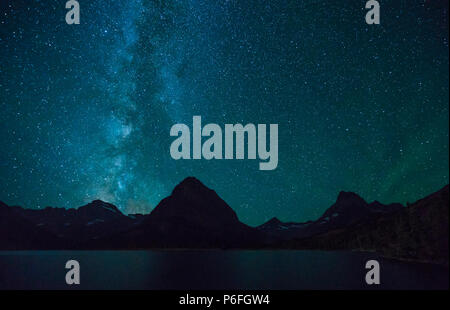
pixel 419 232
pixel 195 216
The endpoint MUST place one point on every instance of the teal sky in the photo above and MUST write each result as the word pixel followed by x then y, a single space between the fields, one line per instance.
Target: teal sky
pixel 86 109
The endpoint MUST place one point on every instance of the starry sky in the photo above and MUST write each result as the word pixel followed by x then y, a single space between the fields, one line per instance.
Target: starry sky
pixel 86 110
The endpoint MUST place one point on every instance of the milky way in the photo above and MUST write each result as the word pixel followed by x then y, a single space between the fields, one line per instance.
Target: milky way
pixel 86 109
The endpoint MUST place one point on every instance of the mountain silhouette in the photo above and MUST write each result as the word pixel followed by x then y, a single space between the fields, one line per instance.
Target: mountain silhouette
pixel 417 232
pixel 194 216
pixel 18 233
pixel 348 209
pixel 59 227
pixel 193 202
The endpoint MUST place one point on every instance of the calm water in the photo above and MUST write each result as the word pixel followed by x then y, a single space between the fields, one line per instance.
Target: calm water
pixel 212 270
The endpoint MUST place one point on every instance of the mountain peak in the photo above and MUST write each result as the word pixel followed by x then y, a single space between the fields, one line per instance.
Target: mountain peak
pixel 274 220
pixel 376 203
pixel 192 200
pixel 348 206
pixel 348 196
pixel 190 180
pixel 100 205
pixel 189 184
pixel 273 223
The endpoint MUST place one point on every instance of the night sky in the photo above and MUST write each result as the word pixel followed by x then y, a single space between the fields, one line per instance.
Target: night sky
pixel 86 110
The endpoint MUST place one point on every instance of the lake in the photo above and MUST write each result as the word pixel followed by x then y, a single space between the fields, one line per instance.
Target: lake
pixel 213 269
